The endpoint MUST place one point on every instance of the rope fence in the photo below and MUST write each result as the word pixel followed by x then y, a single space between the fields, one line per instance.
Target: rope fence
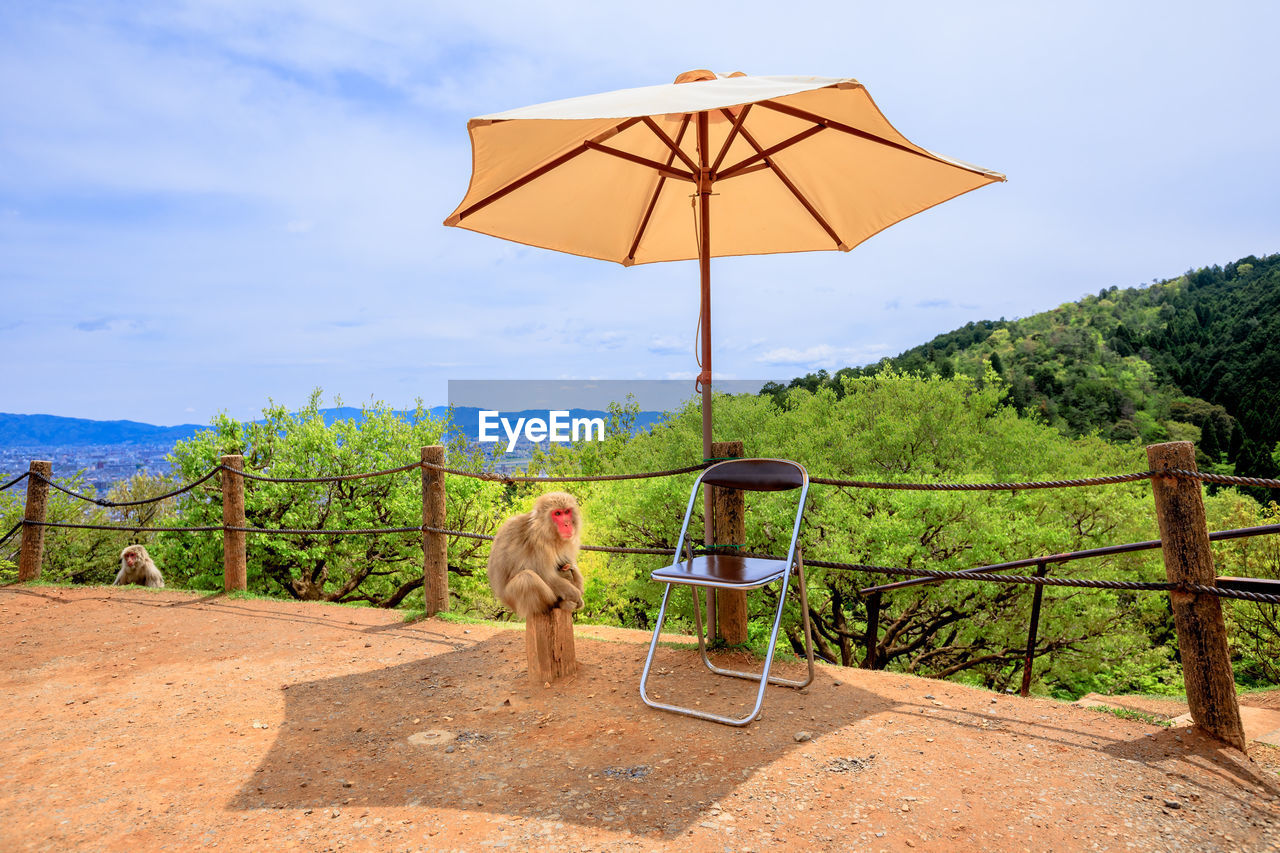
pixel 16 480
pixel 1172 473
pixel 491 476
pixel 12 530
pixel 924 575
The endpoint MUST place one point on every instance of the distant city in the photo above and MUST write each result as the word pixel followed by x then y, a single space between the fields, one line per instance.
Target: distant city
pixel 107 464
pixel 103 465
pixel 109 452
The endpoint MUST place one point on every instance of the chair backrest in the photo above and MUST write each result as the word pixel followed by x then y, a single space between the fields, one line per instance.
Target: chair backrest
pixel 755 475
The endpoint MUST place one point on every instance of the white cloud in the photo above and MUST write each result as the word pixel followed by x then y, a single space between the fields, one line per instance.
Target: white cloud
pixel 818 356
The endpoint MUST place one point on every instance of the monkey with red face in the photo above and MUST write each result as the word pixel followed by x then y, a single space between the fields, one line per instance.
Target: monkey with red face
pixel 136 566
pixel 533 561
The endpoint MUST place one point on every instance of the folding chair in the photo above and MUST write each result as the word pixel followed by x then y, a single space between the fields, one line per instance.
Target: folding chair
pixel 730 571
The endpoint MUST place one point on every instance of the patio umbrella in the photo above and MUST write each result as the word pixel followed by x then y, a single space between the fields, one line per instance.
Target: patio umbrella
pixel 708 166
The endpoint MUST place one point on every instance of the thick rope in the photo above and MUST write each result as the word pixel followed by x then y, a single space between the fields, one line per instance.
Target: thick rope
pixel 103 502
pixel 1048 580
pixel 16 480
pixel 970 574
pixel 1221 479
pixel 333 479
pixel 125 529
pixel 986 487
pixel 12 530
pixel 302 531
pixel 493 476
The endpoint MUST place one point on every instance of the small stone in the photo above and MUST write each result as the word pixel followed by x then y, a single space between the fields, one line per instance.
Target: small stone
pixel 801 737
pixel 1172 804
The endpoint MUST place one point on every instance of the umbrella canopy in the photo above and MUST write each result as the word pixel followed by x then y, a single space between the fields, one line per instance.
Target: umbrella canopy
pixel 797 164
pixel 708 166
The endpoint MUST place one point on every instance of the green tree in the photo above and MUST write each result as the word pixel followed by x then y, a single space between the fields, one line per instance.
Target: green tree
pixel 383 569
pixel 1252 628
pixel 910 429
pixel 71 555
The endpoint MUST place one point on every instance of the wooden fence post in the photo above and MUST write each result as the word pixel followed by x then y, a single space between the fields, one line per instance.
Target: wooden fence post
pixel 435 546
pixel 1202 631
pixel 729 527
pixel 31 554
pixel 235 558
pixel 548 643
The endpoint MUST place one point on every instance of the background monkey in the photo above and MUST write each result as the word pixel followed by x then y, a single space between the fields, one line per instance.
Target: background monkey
pixel 533 561
pixel 136 566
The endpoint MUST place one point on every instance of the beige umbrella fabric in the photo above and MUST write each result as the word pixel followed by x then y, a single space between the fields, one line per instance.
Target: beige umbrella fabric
pixel 709 166
pixel 811 163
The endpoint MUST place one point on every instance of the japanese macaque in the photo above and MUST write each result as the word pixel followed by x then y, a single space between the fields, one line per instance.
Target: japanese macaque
pixel 533 561
pixel 136 566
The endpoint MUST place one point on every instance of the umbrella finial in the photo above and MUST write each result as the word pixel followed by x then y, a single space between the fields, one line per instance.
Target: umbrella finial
pixel 695 76
pixel 699 74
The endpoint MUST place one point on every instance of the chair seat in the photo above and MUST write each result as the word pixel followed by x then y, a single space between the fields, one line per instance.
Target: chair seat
pixel 723 570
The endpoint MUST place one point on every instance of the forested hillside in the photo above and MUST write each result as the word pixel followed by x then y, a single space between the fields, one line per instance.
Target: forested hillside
pixel 1193 358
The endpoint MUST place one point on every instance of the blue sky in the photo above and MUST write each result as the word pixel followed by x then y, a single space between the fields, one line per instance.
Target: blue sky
pixel 207 205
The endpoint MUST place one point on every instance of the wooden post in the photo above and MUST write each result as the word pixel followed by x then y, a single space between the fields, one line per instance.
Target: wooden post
pixel 31 554
pixel 1202 631
pixel 435 546
pixel 1033 632
pixel 235 558
pixel 548 643
pixel 729 527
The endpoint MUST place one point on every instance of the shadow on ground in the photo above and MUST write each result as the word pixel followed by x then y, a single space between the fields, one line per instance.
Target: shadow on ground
pixel 465 729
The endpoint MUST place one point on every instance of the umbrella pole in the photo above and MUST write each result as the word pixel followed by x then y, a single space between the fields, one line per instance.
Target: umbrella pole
pixel 704 378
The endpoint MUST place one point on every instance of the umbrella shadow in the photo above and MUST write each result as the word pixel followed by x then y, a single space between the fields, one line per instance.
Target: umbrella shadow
pixel 465 729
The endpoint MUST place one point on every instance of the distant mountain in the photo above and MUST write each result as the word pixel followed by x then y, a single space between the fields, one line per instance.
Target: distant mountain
pixel 1192 358
pixel 54 431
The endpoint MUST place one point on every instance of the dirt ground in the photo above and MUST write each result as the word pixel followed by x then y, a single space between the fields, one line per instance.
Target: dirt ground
pixel 139 720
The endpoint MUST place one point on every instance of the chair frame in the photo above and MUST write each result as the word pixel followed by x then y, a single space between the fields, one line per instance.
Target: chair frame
pixel 794 560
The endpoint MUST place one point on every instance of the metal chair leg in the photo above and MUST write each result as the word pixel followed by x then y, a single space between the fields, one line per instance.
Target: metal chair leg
pixel 808 640
pixel 763 678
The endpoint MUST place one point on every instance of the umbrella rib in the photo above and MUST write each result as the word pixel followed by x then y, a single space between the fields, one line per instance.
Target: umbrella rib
pixel 643 161
pixel 795 191
pixel 843 128
pixel 734 170
pixel 653 198
pixel 675 147
pixel 728 140
pixel 583 147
